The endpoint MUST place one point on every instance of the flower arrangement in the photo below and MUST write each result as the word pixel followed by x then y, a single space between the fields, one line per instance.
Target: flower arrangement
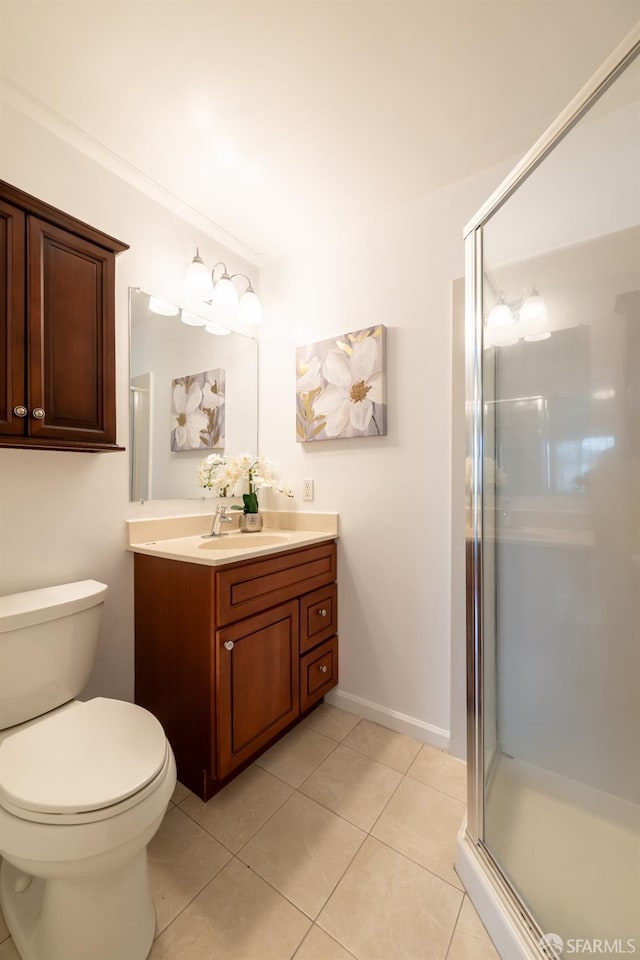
pixel 224 475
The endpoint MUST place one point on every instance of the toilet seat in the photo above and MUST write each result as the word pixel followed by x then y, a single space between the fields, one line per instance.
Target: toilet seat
pixel 86 762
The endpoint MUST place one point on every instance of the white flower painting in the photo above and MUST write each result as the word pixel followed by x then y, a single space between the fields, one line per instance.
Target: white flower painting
pixel 198 412
pixel 340 387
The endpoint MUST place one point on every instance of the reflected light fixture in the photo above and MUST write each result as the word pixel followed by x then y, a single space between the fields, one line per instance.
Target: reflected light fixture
pixel 162 307
pixel 201 284
pixel 501 325
pixel 192 319
pixel 526 319
pixel 533 321
pixel 216 329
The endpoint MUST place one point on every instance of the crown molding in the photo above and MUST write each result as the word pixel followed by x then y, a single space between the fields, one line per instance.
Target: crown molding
pixel 44 115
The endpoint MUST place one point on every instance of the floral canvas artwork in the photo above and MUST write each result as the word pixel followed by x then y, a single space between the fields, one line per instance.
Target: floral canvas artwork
pixel 340 387
pixel 197 411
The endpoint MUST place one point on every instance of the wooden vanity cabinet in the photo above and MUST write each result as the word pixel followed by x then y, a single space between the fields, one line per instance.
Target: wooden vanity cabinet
pixel 57 328
pixel 218 654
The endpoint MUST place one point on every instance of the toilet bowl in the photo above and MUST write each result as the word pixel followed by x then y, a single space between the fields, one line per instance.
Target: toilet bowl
pixel 83 789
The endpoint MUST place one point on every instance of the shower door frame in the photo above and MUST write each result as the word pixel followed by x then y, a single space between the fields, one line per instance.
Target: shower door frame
pixel 505 915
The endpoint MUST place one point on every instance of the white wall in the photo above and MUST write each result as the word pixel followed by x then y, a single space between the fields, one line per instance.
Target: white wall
pixel 62 515
pixel 393 494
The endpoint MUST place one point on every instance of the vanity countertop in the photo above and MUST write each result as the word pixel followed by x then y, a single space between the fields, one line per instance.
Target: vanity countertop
pixel 181 538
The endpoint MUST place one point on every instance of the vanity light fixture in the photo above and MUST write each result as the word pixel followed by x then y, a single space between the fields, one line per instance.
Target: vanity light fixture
pixel 192 319
pixel 501 325
pixel 201 283
pixel 525 319
pixel 162 308
pixel 216 329
pixel 534 321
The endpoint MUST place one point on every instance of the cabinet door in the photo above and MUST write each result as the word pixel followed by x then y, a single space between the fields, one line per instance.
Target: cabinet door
pixel 71 336
pixel 257 682
pixel 13 393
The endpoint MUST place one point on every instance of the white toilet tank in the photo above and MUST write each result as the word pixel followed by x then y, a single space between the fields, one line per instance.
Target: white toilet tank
pixel 48 641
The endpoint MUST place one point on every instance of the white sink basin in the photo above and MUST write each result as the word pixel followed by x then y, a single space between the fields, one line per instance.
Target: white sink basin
pixel 243 541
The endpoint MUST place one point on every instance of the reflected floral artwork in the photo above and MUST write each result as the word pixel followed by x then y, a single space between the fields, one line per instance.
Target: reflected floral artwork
pixel 198 412
pixel 340 387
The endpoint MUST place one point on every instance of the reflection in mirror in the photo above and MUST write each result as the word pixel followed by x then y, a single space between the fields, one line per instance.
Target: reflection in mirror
pixel 192 392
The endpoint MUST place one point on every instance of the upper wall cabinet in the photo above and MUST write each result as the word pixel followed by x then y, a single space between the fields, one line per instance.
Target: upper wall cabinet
pixel 57 328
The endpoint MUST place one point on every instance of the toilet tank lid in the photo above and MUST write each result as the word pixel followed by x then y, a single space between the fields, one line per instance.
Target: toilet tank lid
pixel 20 610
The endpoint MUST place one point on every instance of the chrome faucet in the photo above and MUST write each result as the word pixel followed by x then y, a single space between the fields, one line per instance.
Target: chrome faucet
pixel 220 518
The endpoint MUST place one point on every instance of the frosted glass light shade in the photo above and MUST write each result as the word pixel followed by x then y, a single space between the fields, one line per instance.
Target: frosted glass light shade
pixel 534 337
pixel 500 316
pixel 192 319
pixel 504 336
pixel 224 293
pixel 250 308
pixel 216 329
pixel 533 316
pixel 197 281
pixel 162 308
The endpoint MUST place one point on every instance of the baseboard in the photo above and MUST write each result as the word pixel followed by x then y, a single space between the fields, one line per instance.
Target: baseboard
pixel 399 722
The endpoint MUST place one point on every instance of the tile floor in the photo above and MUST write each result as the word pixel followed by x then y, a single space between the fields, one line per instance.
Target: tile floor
pixel 338 843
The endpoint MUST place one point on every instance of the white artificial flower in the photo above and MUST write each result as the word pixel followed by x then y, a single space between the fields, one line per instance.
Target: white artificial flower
pixel 228 476
pixel 355 384
pixel 310 377
pixel 187 419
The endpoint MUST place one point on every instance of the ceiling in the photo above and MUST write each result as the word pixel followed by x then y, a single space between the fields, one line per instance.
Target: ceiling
pixel 277 119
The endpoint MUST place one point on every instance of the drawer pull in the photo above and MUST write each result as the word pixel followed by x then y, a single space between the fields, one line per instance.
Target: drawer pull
pixel 323 668
pixel 322 613
pixel 228 645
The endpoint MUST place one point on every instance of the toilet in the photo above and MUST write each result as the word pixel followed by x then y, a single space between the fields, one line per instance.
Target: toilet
pixel 83 787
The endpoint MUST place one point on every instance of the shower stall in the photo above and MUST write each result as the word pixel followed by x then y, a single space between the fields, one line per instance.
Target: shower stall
pixel 551 850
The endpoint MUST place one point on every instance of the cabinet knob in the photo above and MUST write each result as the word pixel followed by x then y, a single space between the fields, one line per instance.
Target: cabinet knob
pixel 38 413
pixel 20 411
pixel 322 613
pixel 228 645
pixel 323 668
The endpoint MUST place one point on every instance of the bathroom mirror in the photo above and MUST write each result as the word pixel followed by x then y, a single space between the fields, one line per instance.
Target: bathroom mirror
pixel 192 393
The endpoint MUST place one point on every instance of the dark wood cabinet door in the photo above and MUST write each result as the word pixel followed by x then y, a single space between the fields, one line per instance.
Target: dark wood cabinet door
pixel 258 682
pixel 70 324
pixel 13 387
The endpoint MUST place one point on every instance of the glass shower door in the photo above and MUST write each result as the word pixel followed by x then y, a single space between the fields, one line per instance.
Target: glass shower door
pixel 560 458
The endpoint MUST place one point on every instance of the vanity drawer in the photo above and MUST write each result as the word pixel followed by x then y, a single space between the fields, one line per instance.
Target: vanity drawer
pixel 247 588
pixel 318 617
pixel 318 673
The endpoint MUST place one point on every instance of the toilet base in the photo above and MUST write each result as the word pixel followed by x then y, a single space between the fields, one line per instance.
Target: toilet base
pixel 101 917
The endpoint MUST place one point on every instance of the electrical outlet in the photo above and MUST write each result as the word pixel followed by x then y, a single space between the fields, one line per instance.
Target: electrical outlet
pixel 307 489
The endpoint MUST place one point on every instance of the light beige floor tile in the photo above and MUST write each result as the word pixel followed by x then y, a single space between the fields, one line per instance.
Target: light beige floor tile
pixel 470 939
pixel 180 793
pixel 236 917
pixel 182 860
pixel 386 746
pixel 353 786
pixel 423 823
pixel 388 907
pixel 330 721
pixel 241 808
pixel 440 770
pixel 8 951
pixel 318 945
pixel 303 851
pixel 297 755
